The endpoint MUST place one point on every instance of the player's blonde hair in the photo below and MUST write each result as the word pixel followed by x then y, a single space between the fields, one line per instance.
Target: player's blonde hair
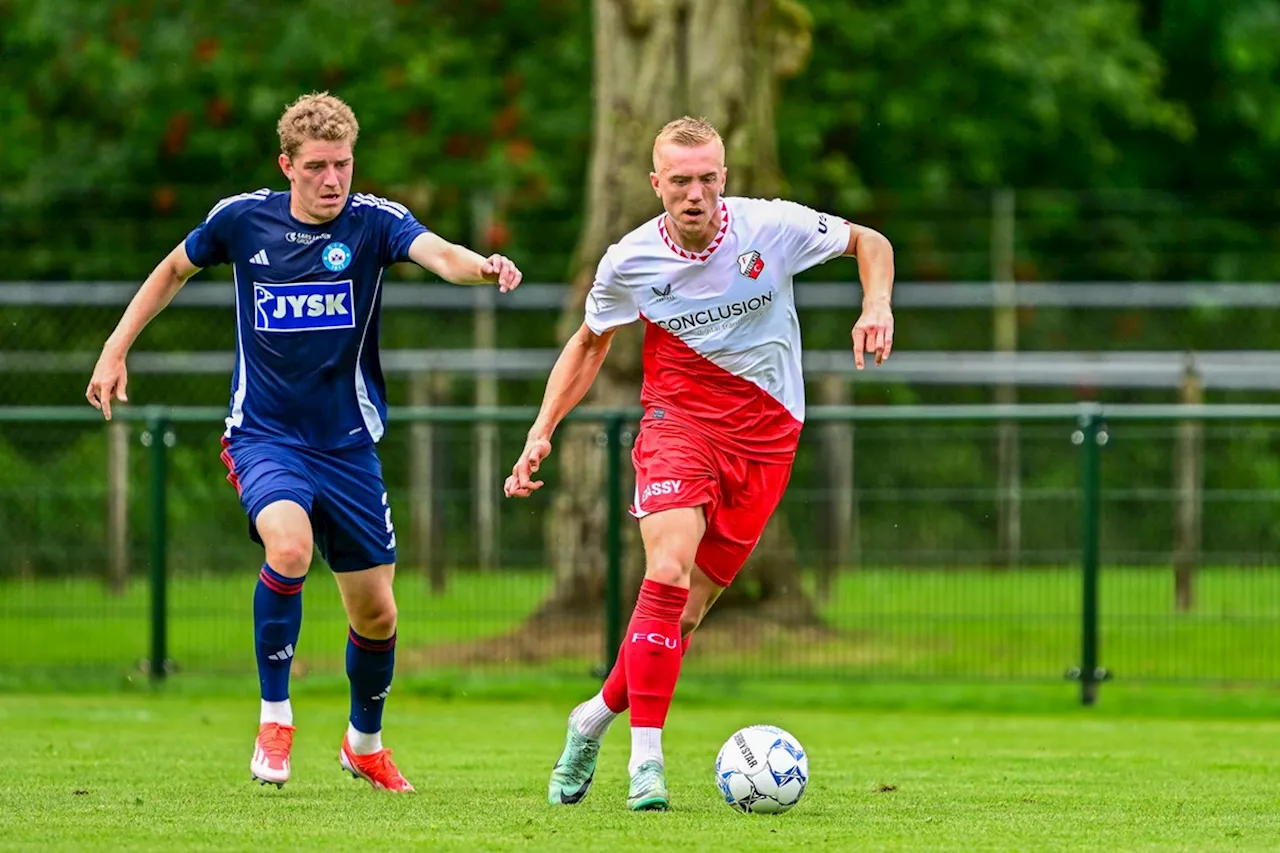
pixel 687 132
pixel 318 115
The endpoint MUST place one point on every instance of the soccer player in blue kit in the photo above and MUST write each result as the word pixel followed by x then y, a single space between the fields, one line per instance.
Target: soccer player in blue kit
pixel 308 405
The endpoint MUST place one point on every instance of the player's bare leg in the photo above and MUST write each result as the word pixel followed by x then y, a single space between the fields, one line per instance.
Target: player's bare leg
pixel 285 531
pixel 703 593
pixel 371 643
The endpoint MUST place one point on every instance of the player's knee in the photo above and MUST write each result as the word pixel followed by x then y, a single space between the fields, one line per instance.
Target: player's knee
pixel 667 568
pixel 376 622
pixel 290 555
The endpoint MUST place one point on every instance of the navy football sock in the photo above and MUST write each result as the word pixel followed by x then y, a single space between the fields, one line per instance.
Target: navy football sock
pixel 277 620
pixel 370 664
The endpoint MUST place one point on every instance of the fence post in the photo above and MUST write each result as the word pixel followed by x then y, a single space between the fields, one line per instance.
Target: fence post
pixel 426 389
pixel 840 534
pixel 485 338
pixel 1188 465
pixel 1090 436
pixel 118 432
pixel 1008 433
pixel 485 471
pixel 613 565
pixel 159 438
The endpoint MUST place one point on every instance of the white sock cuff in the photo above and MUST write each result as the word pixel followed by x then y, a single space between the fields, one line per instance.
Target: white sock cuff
pixel 363 743
pixel 276 712
pixel 592 717
pixel 646 745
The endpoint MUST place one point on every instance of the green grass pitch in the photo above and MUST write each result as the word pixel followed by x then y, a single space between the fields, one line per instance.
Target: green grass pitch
pixel 170 772
pixel 935 717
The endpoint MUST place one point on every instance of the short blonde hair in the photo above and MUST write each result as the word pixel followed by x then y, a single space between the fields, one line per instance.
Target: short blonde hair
pixel 687 132
pixel 318 115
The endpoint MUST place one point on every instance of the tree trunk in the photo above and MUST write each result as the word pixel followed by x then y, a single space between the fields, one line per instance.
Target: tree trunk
pixel 655 61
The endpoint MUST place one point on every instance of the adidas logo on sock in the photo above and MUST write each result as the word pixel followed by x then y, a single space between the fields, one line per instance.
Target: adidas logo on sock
pixel 382 695
pixel 283 654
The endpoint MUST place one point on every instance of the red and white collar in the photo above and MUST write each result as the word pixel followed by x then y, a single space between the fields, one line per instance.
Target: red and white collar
pixel 705 253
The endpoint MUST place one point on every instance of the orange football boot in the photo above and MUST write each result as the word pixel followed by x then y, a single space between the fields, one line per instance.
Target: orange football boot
pixel 270 762
pixel 377 769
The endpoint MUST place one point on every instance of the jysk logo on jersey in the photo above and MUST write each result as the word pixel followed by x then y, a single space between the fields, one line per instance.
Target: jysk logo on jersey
pixel 751 264
pixel 305 306
pixel 336 257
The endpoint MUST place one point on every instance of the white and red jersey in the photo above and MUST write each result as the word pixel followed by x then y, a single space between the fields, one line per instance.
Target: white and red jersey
pixel 722 336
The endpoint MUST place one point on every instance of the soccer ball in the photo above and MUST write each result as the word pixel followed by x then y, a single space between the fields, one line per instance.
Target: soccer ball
pixel 762 770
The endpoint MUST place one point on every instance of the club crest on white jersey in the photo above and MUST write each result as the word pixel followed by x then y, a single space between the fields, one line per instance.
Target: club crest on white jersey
pixel 722 343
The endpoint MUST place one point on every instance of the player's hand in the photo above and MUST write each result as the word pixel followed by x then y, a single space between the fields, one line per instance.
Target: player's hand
pixel 521 483
pixel 109 378
pixel 503 271
pixel 873 333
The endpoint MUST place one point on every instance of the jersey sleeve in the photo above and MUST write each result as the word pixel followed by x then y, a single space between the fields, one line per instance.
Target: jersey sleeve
pixel 401 233
pixel 209 243
pixel 610 303
pixel 811 237
pixel 391 225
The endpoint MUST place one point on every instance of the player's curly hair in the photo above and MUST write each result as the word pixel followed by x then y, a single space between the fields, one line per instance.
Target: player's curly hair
pixel 318 115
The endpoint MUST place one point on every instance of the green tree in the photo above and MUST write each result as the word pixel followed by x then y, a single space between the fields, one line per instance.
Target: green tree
pixel 940 95
pixel 139 114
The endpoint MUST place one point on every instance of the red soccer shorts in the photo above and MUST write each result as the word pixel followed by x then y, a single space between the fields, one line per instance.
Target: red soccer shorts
pixel 678 467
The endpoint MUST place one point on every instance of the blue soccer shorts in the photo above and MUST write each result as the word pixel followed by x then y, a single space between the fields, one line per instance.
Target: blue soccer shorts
pixel 342 491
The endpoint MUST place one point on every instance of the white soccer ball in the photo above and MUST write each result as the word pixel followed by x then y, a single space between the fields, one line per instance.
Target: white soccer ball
pixel 762 770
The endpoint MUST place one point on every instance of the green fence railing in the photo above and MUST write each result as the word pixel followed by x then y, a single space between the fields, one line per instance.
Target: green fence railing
pixel 1142 547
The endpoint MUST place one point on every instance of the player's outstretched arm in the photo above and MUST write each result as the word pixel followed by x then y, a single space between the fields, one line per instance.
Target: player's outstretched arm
pixel 460 265
pixel 874 330
pixel 576 368
pixel 109 375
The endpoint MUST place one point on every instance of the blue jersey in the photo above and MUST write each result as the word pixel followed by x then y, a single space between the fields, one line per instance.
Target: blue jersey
pixel 308 299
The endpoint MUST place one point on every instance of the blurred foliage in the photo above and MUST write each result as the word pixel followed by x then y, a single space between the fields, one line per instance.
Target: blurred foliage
pixel 134 116
pixel 1143 137
pixel 956 94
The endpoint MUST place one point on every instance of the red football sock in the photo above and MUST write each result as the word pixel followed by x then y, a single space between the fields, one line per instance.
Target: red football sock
pixel 651 650
pixel 614 691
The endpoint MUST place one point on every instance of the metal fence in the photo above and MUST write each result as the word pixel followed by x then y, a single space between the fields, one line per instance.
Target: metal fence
pixel 445 344
pixel 1143 551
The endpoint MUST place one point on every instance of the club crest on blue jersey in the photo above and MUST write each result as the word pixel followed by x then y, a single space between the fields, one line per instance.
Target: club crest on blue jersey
pixel 336 256
pixel 305 306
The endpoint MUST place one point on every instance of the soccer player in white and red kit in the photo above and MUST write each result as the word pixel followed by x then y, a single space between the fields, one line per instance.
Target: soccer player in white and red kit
pixel 723 398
